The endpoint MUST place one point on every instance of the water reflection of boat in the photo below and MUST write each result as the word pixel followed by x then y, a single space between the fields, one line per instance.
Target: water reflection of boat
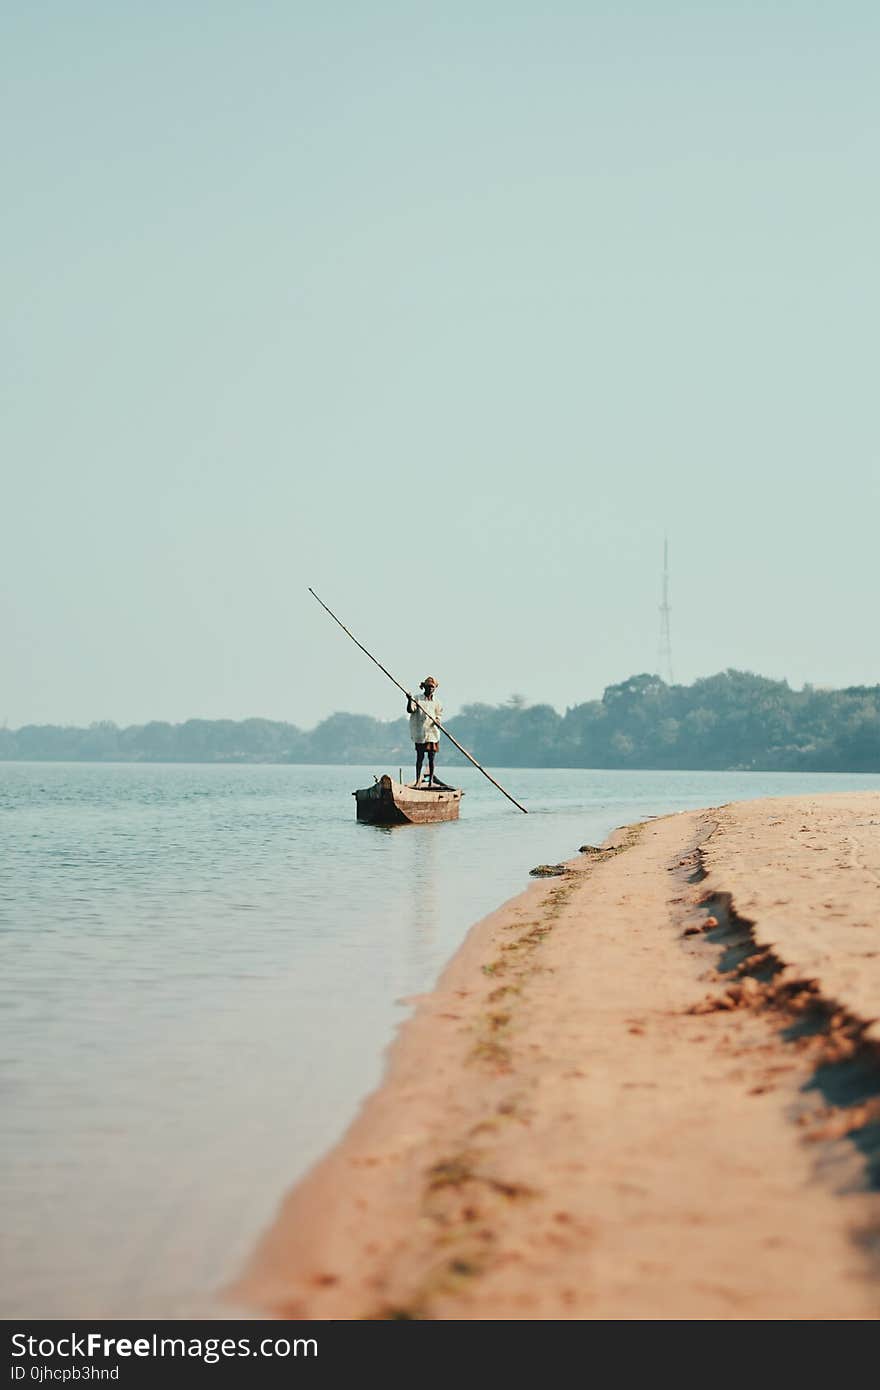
pixel 396 803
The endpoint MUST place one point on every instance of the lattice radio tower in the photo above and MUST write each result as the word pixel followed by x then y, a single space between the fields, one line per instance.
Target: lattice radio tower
pixel 664 650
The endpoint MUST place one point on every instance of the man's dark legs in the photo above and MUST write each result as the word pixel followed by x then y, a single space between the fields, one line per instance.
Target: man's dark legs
pixel 421 750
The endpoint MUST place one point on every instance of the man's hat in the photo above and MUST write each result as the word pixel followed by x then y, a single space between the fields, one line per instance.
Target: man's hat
pixel 429 680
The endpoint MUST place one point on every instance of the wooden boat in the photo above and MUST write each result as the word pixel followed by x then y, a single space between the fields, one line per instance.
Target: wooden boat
pixel 394 803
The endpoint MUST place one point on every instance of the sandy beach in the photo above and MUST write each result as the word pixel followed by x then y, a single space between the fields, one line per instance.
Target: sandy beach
pixel 647 1087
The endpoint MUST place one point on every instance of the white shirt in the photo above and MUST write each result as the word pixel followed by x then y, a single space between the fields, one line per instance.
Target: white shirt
pixel 422 728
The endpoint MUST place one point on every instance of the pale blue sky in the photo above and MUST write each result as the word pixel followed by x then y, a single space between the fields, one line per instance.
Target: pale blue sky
pixel 449 310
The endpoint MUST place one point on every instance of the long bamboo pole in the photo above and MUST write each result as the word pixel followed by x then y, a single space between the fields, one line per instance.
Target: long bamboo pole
pixel 405 692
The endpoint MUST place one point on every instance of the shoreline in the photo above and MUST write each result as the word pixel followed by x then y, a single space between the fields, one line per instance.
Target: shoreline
pixel 671 1046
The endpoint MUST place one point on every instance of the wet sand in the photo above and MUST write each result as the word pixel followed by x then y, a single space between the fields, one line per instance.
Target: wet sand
pixel 648 1087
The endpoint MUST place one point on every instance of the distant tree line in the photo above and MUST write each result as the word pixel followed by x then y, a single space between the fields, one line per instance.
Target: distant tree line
pixel 731 720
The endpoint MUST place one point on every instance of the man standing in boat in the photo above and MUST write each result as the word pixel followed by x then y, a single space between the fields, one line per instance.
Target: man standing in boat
pixel 422 727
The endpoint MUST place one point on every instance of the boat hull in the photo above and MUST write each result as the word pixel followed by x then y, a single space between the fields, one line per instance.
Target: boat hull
pixel 392 803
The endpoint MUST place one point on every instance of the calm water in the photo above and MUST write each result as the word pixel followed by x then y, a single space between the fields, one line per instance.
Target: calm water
pixel 202 969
